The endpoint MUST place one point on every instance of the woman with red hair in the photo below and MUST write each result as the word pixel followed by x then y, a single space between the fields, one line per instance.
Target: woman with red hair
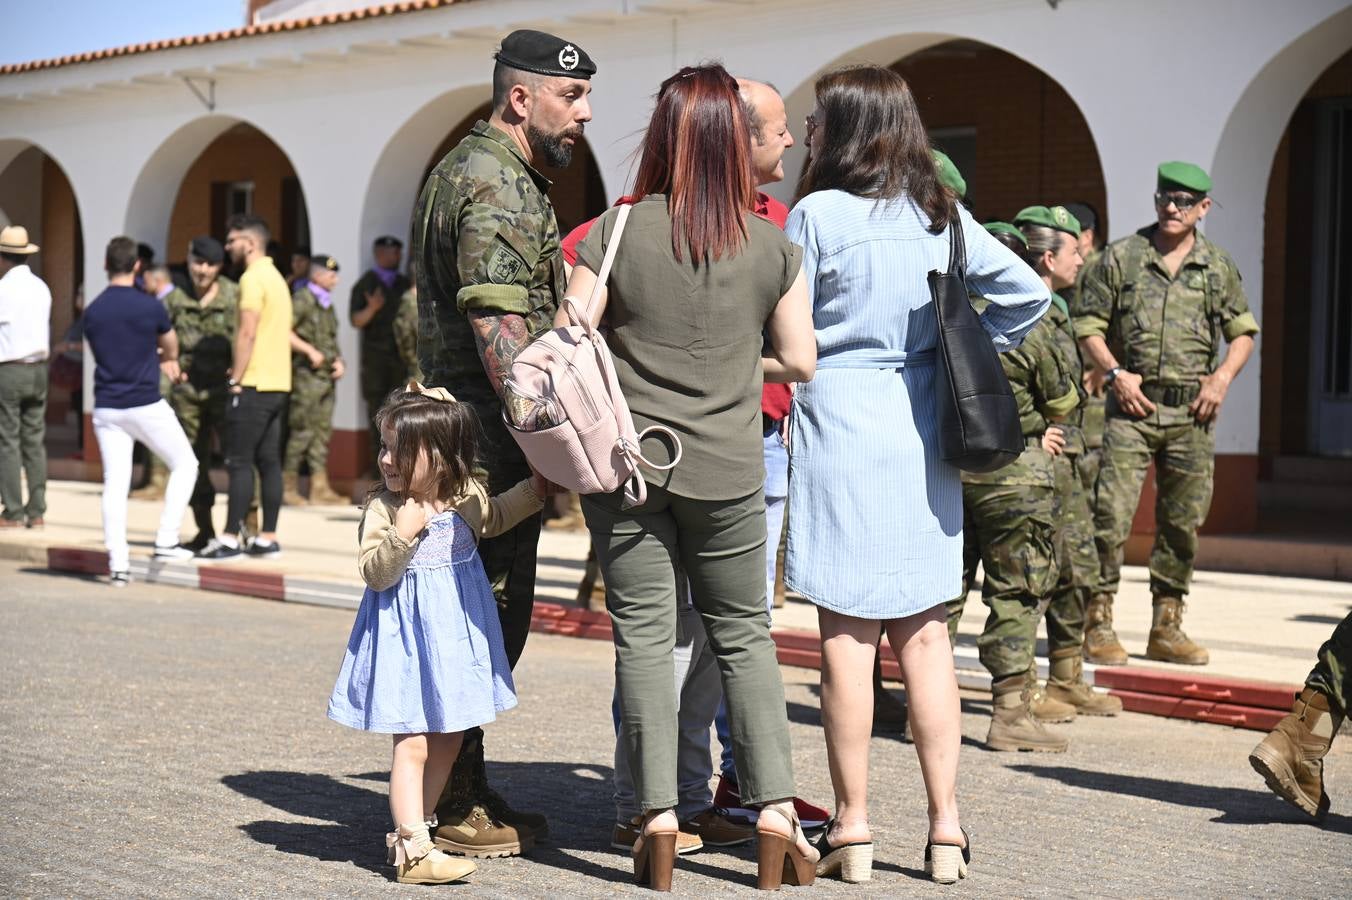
pixel 697 285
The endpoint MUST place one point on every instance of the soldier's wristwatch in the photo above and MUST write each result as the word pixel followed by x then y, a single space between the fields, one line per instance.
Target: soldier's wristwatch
pixel 1112 374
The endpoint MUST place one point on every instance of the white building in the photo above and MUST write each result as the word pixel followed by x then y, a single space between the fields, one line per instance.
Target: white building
pixel 324 116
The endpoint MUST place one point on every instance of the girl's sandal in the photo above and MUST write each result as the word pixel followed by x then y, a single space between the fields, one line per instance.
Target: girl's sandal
pixel 946 862
pixel 416 859
pixel 852 861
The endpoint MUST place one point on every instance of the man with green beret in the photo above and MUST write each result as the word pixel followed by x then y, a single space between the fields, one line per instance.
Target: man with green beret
pixel 1168 297
pixel 372 310
pixel 316 364
pixel 490 278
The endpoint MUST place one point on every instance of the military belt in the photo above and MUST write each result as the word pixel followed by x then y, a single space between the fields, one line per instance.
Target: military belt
pixel 1171 394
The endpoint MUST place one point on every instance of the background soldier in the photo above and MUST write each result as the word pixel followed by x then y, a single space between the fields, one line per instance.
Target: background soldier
pixel 375 303
pixel 1168 296
pixel 406 332
pixel 490 278
pixel 1091 426
pixel 316 363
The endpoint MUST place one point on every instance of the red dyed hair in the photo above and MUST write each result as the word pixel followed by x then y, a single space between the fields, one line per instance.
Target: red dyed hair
pixel 697 152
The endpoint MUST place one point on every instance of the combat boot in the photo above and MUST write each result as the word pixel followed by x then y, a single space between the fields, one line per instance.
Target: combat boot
pixel 1291 757
pixel 1167 641
pixel 322 494
pixel 528 823
pixel 1012 724
pixel 154 487
pixel 291 495
pixel 1100 641
pixel 1066 683
pixel 1043 706
pixel 466 826
pixel 417 861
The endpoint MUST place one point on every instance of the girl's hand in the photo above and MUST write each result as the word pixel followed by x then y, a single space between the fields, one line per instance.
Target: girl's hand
pixel 410 519
pixel 1053 441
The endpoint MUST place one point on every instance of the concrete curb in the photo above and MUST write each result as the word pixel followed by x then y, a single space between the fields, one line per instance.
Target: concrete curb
pixel 1183 695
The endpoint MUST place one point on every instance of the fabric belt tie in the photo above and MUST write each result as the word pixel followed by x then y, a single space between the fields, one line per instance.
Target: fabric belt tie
pixel 876 359
pixel 1171 394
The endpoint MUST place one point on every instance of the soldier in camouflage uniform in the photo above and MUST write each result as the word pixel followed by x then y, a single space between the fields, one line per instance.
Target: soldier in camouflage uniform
pixel 406 334
pixel 1168 296
pixel 490 278
pixel 1291 757
pixel 206 325
pixel 316 363
pixel 1091 425
pixel 1008 521
pixel 374 306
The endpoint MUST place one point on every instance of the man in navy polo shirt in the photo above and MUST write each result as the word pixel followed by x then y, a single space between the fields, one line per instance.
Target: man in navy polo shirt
pixel 133 341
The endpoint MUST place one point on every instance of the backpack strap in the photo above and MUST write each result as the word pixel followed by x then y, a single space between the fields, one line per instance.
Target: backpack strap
pixel 583 317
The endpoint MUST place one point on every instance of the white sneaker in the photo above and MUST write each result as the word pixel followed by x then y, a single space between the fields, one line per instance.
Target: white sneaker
pixel 178 551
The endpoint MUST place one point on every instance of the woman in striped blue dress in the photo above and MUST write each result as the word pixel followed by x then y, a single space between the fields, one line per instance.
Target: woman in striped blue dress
pixel 875 536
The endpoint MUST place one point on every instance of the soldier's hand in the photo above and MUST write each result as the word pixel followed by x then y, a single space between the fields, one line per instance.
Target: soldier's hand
pixel 1209 399
pixel 338 369
pixel 1093 381
pixel 410 519
pixel 1127 390
pixel 316 359
pixel 375 298
pixel 1054 441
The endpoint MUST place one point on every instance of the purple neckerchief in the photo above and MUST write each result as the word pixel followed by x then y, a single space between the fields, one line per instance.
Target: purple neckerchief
pixel 164 291
pixel 324 297
pixel 386 276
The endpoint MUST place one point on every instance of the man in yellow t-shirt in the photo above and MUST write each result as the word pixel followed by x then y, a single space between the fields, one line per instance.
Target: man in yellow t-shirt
pixel 260 385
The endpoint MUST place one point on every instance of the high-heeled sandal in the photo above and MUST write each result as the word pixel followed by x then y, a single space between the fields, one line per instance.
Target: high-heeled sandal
pixel 779 859
pixel 654 855
pixel 946 862
pixel 852 861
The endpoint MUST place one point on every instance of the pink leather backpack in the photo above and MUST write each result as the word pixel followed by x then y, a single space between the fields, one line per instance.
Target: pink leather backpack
pixel 563 405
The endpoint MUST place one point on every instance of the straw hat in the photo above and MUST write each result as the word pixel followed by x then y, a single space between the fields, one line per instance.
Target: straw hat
pixel 14 239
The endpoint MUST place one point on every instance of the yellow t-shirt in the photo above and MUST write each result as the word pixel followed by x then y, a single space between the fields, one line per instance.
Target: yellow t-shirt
pixel 262 289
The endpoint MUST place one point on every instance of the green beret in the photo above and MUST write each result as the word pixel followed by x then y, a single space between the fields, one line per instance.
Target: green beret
pixel 324 261
pixel 1006 228
pixel 1057 217
pixel 949 176
pixel 545 54
pixel 1175 175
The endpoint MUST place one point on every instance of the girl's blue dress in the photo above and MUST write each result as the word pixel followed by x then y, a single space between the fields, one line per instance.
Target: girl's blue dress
pixel 427 655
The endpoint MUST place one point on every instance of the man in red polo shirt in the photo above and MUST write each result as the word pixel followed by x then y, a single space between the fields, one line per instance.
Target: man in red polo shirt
pixel 725 822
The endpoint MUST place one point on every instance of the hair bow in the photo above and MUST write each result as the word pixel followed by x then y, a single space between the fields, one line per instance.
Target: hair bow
pixel 436 393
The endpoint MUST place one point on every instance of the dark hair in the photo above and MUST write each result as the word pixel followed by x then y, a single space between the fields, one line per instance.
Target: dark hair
pixel 874 143
pixel 19 259
pixel 252 224
pixel 145 253
pixel 1010 241
pixel 504 77
pixel 697 151
pixel 121 257
pixel 447 431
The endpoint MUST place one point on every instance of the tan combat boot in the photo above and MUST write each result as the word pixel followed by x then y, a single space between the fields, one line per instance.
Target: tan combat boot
pixel 1100 641
pixel 154 487
pixel 1291 757
pixel 417 861
pixel 1043 706
pixel 1066 683
pixel 1012 724
pixel 322 494
pixel 471 831
pixel 291 495
pixel 1167 641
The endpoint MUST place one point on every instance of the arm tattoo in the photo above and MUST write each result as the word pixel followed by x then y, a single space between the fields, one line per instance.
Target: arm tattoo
pixel 499 337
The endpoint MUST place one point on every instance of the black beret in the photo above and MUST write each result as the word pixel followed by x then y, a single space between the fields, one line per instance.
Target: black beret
pixel 545 54
pixel 388 240
pixel 207 249
pixel 324 261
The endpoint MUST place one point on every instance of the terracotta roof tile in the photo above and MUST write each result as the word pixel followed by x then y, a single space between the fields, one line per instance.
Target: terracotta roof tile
pixel 370 12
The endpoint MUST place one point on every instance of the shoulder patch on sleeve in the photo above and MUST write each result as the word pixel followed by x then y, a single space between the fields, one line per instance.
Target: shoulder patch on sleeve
pixel 503 264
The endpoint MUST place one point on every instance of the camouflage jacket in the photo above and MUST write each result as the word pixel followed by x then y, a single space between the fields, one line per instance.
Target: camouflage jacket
pixel 1044 388
pixel 378 334
pixel 206 334
pixel 1092 426
pixel 316 326
pixel 1168 326
pixel 406 333
pixel 1068 356
pixel 484 238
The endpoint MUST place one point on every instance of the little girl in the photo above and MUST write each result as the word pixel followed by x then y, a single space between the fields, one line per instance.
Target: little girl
pixel 425 660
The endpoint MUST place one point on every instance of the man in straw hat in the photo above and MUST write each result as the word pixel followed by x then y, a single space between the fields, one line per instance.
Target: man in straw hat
pixel 25 308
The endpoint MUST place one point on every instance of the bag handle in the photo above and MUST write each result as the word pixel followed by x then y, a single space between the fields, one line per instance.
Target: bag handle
pixel 570 303
pixel 957 248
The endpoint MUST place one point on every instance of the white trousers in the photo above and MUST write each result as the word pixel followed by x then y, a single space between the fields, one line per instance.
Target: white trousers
pixel 157 427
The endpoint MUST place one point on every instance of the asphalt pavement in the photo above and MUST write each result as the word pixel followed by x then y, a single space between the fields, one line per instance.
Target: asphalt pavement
pixel 156 741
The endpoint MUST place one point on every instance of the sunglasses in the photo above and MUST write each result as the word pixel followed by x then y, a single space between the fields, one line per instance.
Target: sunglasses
pixel 1183 201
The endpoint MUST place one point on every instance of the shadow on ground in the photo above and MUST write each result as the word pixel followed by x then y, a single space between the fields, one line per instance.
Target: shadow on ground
pixel 1237 806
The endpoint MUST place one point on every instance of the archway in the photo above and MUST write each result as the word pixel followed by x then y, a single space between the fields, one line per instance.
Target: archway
pixel 38 195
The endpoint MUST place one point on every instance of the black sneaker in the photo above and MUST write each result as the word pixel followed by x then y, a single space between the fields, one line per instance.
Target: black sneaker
pixel 219 552
pixel 119 579
pixel 178 551
pixel 199 543
pixel 259 549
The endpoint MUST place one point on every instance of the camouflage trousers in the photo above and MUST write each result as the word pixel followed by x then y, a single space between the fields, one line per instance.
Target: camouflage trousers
pixel 309 422
pixel 1077 563
pixel 382 371
pixel 1010 529
pixel 1185 462
pixel 1332 675
pixel 1090 462
pixel 201 412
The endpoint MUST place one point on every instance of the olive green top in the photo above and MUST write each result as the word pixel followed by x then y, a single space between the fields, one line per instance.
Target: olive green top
pixel 206 334
pixel 687 343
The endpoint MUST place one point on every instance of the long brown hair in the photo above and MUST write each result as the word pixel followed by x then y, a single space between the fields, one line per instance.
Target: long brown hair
pixel 697 151
pixel 447 431
pixel 874 144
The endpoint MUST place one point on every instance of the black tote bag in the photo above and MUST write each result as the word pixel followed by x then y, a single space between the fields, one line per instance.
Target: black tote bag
pixel 978 418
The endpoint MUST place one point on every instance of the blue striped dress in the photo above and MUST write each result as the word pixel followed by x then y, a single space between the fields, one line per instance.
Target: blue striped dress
pixel 875 517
